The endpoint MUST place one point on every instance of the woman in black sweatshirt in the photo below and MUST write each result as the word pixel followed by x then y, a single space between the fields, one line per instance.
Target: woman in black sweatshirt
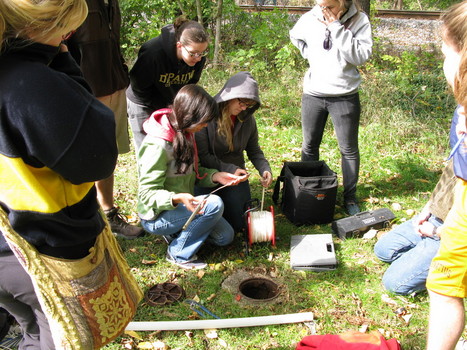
pixel 165 64
pixel 56 141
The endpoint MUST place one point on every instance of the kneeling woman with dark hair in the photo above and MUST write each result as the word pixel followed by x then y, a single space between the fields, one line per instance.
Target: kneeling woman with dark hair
pixel 168 171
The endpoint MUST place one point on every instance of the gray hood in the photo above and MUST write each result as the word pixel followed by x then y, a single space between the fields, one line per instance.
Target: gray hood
pixel 241 85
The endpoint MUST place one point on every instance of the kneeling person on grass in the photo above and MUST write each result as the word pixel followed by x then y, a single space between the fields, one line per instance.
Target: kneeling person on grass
pixel 168 171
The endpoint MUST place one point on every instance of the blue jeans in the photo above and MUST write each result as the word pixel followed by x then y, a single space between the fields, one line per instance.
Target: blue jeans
pixel 234 198
pixel 410 257
pixel 345 114
pixel 210 226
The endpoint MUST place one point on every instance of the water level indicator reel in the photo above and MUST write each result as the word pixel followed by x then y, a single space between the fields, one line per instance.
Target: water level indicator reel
pixel 260 223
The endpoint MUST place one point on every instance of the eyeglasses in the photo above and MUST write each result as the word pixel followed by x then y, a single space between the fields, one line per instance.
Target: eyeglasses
pixel 196 54
pixel 327 43
pixel 68 35
pixel 246 103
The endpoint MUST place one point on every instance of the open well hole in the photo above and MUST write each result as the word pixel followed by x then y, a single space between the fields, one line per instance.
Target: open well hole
pixel 259 289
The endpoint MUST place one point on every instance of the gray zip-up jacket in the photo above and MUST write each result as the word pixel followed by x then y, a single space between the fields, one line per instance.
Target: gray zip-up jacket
pixel 214 152
pixel 333 72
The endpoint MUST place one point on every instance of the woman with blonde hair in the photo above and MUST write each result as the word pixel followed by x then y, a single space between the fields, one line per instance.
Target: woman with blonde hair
pixel 56 140
pixel 447 279
pixel 223 143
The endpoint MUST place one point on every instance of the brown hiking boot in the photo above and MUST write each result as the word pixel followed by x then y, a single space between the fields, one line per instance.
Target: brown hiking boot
pixel 120 227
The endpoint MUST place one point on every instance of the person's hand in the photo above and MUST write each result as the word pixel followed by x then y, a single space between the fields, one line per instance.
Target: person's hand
pixel 229 179
pixel 329 16
pixel 63 47
pixel 241 172
pixel 426 229
pixel 266 180
pixel 187 199
pixel 422 217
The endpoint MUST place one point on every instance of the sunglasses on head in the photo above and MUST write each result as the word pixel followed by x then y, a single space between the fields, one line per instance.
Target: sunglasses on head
pixel 327 43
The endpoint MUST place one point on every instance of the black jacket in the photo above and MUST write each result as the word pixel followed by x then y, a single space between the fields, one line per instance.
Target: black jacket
pixel 158 74
pixel 96 48
pixel 56 139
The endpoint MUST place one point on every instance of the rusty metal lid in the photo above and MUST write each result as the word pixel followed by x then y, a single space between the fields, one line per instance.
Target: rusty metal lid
pixel 164 293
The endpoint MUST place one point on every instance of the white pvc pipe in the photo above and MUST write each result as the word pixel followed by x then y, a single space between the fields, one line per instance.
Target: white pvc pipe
pixel 222 323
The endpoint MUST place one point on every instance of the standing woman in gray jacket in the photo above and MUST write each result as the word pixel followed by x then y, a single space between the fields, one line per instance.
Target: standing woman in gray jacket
pixel 335 38
pixel 222 143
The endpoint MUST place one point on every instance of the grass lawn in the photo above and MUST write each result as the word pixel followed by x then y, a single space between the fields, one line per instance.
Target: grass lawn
pixel 403 142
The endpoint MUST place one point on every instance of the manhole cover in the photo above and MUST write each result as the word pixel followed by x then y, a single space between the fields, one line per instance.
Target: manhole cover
pixel 164 293
pixel 259 289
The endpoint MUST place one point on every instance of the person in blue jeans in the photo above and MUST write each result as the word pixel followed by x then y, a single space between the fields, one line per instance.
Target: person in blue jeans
pixel 411 246
pixel 168 170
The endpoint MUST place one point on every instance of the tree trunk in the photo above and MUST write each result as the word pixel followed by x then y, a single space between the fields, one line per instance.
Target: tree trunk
pixel 218 33
pixel 180 6
pixel 199 12
pixel 398 4
pixel 365 6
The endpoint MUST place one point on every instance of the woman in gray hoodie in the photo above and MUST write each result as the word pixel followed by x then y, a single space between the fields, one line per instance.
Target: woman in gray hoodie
pixel 335 38
pixel 222 143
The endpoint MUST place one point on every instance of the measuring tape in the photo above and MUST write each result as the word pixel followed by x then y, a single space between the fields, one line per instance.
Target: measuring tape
pixel 261 227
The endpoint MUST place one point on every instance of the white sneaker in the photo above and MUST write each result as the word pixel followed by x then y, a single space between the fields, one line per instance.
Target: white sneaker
pixel 193 264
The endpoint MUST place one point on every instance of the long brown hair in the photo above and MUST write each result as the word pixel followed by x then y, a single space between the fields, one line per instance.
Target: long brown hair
pixel 188 31
pixel 192 106
pixel 454 32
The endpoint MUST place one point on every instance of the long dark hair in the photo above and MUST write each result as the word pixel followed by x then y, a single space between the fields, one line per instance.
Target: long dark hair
pixel 192 106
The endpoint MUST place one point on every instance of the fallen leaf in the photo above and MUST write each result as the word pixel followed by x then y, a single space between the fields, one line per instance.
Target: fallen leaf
pixel 131 219
pixel 158 345
pixel 211 333
pixel 189 335
pixel 196 298
pixel 363 328
pixel 407 318
pixel 388 300
pixel 128 343
pixel 396 206
pixel 200 274
pixel 219 267
pixel 133 334
pixel 212 296
pixel 370 234
pixel 148 262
